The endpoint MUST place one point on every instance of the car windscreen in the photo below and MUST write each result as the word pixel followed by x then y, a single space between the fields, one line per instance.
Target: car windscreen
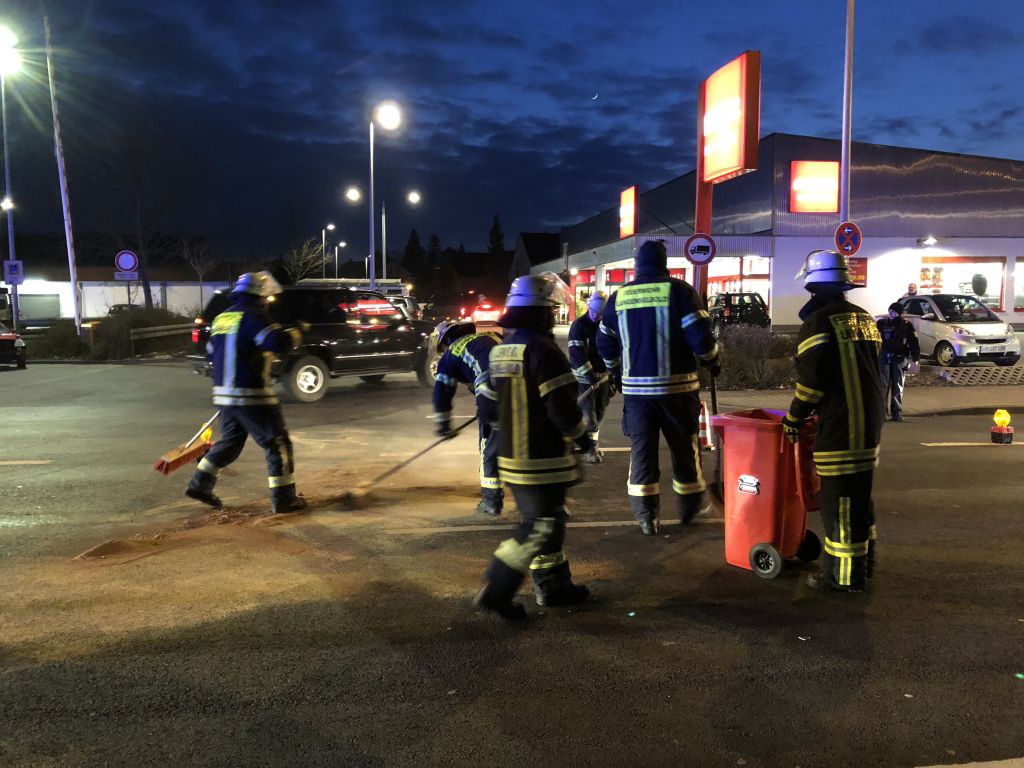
pixel 220 301
pixel 4 329
pixel 964 309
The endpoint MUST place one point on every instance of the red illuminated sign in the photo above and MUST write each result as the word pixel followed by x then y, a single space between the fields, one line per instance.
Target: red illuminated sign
pixel 729 119
pixel 628 213
pixel 813 187
pixel 858 271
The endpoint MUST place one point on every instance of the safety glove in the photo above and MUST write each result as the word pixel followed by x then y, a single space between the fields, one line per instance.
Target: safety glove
pixel 714 366
pixel 791 428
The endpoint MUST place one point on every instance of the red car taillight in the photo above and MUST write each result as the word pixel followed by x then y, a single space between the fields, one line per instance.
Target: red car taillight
pixel 726 312
pixel 195 335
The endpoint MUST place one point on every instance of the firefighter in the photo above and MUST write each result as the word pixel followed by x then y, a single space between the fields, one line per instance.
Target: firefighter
pixel 243 342
pixel 464 358
pixel 652 332
pixel 538 419
pixel 590 371
pixel 899 347
pixel 838 378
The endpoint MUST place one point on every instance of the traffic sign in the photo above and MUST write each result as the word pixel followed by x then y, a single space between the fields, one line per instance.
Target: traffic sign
pixel 699 249
pixel 848 239
pixel 126 275
pixel 126 261
pixel 14 272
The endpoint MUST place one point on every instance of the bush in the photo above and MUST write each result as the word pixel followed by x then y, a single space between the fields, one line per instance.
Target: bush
pixel 58 342
pixel 756 358
pixel 112 341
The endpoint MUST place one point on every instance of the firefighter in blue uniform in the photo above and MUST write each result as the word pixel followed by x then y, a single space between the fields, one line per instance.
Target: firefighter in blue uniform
pixel 242 345
pixel 538 420
pixel 590 371
pixel 838 378
pixel 464 359
pixel 652 332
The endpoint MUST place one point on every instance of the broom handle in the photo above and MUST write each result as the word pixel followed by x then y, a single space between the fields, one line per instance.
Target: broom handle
pixel 415 456
pixel 202 429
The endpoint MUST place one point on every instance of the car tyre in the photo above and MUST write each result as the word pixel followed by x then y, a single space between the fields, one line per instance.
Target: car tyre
pixel 945 355
pixel 306 381
pixel 426 372
pixel 765 561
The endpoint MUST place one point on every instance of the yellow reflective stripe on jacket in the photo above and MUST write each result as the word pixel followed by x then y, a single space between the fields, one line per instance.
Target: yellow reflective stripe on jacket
pixel 808 395
pixel 846 550
pixel 811 342
pixel 544 562
pixel 551 385
pixel 262 335
pixel 537 465
pixel 207 466
pixel 863 453
pixel 226 322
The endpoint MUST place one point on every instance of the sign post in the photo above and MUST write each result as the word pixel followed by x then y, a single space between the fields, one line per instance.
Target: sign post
pixel 127 265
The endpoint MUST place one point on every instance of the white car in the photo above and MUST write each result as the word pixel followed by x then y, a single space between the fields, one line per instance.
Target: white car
pixel 956 328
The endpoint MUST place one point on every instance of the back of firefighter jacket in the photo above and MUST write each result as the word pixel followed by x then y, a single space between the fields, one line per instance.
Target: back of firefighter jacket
pixel 650 333
pixel 242 345
pixel 838 378
pixel 466 362
pixel 586 363
pixel 538 417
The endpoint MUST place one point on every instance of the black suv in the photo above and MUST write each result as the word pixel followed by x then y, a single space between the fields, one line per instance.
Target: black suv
pixel 351 333
pixel 737 309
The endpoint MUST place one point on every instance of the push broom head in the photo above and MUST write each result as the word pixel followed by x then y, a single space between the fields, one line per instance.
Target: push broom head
pixel 185 453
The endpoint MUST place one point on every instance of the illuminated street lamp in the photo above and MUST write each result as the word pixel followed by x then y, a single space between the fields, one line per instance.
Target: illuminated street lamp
pixel 323 249
pixel 353 195
pixel 10 63
pixel 341 244
pixel 388 115
pixel 413 198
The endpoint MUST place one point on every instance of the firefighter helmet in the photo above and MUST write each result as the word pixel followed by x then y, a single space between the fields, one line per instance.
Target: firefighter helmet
pixel 447 332
pixel 260 284
pixel 531 291
pixel 823 271
pixel 596 301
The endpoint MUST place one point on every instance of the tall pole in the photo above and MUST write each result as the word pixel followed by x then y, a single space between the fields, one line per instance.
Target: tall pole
pixel 384 240
pixel 371 269
pixel 844 180
pixel 323 252
pixel 7 195
pixel 58 148
pixel 335 262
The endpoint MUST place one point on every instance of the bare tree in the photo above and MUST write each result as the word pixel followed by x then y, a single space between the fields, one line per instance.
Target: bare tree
pixel 308 259
pixel 197 255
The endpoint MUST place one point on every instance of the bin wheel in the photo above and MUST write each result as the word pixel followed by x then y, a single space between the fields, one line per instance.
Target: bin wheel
pixel 810 548
pixel 765 561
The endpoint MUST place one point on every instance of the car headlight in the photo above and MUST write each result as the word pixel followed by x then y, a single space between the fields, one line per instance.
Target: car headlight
pixel 19 343
pixel 962 332
pixel 1010 332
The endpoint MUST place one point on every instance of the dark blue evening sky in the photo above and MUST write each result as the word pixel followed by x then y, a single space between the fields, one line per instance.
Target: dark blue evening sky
pixel 246 119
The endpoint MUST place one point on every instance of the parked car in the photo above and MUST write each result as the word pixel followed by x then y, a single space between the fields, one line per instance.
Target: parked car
pixel 409 305
pixel 737 309
pixel 485 312
pixel 12 348
pixel 955 328
pixel 117 309
pixel 352 333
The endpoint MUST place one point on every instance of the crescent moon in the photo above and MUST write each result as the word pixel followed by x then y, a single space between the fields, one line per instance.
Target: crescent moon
pixel 594 96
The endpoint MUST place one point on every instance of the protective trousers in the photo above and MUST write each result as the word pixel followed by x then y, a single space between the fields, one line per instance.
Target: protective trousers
pixel 849 518
pixel 675 416
pixel 594 405
pixel 894 375
pixel 265 424
pixel 490 485
pixel 536 547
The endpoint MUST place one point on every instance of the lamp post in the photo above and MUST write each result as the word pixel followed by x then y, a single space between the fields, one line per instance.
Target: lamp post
pixel 388 115
pixel 413 198
pixel 341 244
pixel 323 249
pixel 10 62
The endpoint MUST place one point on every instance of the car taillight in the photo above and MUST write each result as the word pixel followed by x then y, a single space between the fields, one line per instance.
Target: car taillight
pixel 195 335
pixel 462 311
pixel 727 312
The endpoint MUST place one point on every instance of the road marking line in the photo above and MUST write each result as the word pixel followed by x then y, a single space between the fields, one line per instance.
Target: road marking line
pixel 506 527
pixel 25 462
pixel 964 445
pixel 1016 762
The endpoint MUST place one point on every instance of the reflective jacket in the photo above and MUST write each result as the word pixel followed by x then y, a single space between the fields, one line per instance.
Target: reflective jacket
pixel 538 417
pixel 838 378
pixel 242 345
pixel 464 362
pixel 899 338
pixel 650 333
pixel 587 365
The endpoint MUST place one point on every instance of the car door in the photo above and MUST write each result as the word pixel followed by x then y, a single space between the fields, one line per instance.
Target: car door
pixel 383 336
pixel 926 329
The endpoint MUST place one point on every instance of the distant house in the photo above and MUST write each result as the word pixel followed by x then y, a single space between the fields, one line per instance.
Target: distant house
pixel 533 248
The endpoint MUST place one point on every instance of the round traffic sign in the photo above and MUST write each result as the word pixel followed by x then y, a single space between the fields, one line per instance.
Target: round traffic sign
pixel 699 248
pixel 126 261
pixel 848 239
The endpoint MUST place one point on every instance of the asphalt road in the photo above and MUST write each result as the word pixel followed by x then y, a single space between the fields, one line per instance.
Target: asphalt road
pixel 346 637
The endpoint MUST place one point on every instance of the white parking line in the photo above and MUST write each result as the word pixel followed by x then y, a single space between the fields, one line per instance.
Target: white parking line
pixel 507 527
pixel 25 462
pixel 966 445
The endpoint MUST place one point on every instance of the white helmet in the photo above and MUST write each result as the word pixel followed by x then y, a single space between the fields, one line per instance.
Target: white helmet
pixel 531 291
pixel 825 268
pixel 448 331
pixel 260 284
pixel 596 301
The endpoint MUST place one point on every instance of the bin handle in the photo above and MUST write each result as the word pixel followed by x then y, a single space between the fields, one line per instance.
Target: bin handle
pixel 797 465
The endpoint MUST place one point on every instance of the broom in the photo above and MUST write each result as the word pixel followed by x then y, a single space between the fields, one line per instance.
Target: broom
pixel 188 452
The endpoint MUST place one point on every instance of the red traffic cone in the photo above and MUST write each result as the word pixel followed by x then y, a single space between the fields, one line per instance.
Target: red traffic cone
pixel 703 433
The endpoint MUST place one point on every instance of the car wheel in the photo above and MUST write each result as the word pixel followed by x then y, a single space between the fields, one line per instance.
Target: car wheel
pixel 306 380
pixel 945 355
pixel 375 378
pixel 765 561
pixel 427 370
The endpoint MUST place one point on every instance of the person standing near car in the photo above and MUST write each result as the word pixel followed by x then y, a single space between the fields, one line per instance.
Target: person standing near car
pixel 590 371
pixel 243 342
pixel 652 333
pixel 465 356
pixel 900 347
pixel 538 419
pixel 838 379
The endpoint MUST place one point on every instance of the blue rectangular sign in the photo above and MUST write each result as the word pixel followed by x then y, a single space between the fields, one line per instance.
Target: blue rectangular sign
pixel 14 272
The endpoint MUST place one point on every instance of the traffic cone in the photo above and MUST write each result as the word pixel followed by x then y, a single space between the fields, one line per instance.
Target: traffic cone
pixel 703 433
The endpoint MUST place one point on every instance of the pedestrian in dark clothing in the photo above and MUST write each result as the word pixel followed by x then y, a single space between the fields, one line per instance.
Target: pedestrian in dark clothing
pixel 899 348
pixel 590 371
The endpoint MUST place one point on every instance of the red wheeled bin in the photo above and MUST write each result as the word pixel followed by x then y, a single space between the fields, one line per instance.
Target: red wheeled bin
pixel 769 487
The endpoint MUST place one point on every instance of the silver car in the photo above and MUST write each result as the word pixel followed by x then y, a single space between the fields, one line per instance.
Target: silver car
pixel 956 328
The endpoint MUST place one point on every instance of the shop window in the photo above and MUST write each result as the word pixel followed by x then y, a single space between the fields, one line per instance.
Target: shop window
pixel 980 276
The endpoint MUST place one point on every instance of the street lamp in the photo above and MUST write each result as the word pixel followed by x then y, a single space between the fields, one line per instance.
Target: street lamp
pixel 341 244
pixel 353 195
pixel 323 249
pixel 10 62
pixel 388 115
pixel 413 198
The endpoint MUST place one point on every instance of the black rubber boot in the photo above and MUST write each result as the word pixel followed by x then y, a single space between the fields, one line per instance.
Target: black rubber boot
pixel 565 595
pixel 200 488
pixel 693 506
pixel 824 582
pixel 508 610
pixel 649 527
pixel 488 507
pixel 284 500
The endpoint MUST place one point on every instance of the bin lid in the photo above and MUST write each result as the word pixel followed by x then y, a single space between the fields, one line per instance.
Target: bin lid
pixel 759 419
